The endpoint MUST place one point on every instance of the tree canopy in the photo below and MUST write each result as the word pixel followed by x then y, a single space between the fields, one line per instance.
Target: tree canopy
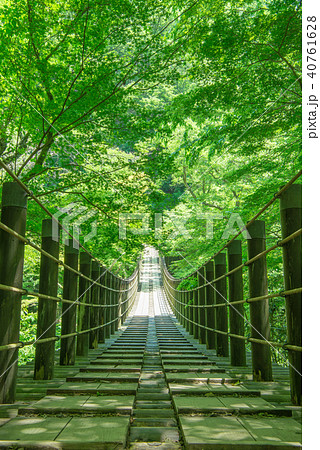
pixel 186 113
pixel 184 109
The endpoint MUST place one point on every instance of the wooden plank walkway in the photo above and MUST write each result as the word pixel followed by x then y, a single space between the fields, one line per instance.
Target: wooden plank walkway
pixel 151 384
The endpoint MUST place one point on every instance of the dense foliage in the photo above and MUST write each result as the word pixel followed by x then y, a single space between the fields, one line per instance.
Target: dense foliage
pixel 183 110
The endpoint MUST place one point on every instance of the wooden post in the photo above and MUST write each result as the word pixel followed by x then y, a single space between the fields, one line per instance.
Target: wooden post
pixel 259 311
pixel 193 312
pixel 291 221
pixel 69 311
pixel 102 315
pixel 222 311
pixel 184 310
pixel 196 314
pixel 177 295
pixel 176 304
pixel 118 302
pixel 122 300
pixel 201 303
pixel 187 311
pixel 113 302
pixel 236 312
pixel 94 311
pixel 13 214
pixel 108 302
pixel 210 312
pixel 139 274
pixel 130 296
pixel 128 299
pixel 171 296
pixel 166 289
pixel 127 302
pixel 173 285
pixel 84 311
pixel 47 309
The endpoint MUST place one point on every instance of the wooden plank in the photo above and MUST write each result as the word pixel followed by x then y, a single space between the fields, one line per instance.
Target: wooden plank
pixel 33 428
pixel 121 404
pixel 108 430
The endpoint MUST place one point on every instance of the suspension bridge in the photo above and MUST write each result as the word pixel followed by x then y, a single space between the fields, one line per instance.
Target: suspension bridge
pixel 142 363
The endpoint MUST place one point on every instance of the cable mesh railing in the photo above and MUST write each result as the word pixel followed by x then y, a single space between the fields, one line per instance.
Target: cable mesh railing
pixel 93 303
pixel 213 311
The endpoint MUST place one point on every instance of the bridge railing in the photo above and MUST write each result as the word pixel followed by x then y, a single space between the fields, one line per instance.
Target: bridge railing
pixel 214 310
pixel 94 300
